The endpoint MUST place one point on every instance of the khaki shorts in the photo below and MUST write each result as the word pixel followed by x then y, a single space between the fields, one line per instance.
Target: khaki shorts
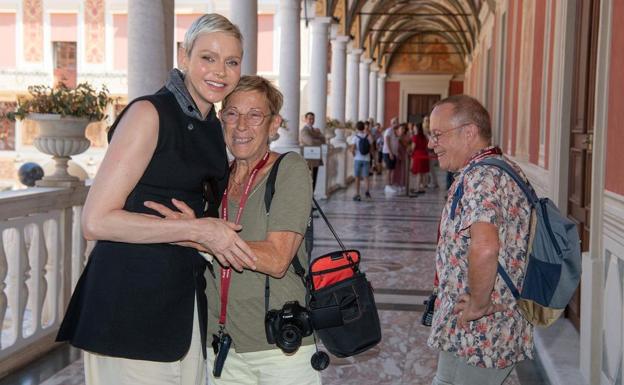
pixel 190 370
pixel 453 370
pixel 267 367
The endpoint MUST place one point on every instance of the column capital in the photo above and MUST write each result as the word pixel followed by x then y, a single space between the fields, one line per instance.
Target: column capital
pixel 321 21
pixel 356 51
pixel 340 39
pixel 367 61
pixel 382 75
pixel 374 67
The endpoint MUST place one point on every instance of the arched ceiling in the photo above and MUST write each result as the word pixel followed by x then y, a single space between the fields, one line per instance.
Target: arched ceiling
pixel 386 28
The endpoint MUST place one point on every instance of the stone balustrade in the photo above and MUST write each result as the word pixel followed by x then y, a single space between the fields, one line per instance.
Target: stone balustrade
pixel 42 253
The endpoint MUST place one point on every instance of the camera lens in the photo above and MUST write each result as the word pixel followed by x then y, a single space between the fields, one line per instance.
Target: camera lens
pixel 289 339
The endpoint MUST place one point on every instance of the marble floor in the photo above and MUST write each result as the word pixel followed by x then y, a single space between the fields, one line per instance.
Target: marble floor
pixel 396 236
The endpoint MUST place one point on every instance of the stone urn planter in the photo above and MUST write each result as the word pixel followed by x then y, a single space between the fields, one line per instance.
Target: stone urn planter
pixel 60 137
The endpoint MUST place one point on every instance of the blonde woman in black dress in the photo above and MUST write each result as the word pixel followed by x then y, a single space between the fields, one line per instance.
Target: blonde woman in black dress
pixel 139 309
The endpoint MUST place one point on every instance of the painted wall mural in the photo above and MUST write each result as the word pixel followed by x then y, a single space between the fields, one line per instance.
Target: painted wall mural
pixel 426 55
pixel 33 30
pixel 95 43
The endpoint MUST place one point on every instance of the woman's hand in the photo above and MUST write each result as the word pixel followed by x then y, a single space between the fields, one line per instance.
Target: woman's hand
pixel 215 236
pixel 185 212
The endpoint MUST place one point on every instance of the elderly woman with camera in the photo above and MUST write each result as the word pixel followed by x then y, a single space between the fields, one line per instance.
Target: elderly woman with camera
pixel 238 313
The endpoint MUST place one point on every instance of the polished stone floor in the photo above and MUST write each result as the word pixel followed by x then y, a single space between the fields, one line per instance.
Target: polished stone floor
pixel 396 236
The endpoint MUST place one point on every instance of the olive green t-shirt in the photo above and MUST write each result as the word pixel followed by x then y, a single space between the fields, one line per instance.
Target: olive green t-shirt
pixel 290 210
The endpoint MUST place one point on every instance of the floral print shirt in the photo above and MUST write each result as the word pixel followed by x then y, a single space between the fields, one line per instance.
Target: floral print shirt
pixel 500 339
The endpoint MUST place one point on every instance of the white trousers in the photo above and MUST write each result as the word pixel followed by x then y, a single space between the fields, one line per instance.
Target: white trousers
pixel 267 367
pixel 190 370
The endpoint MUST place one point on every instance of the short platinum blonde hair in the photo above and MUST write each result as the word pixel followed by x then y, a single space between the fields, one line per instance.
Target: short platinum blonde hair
pixel 210 22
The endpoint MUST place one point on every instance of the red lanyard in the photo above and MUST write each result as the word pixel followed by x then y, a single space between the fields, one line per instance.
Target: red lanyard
pixel 486 152
pixel 226 273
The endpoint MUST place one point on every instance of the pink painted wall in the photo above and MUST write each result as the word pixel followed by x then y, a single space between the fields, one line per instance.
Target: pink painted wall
pixel 507 95
pixel 615 133
pixel 536 81
pixel 516 76
pixel 7 31
pixel 265 43
pixel 491 74
pixel 120 42
pixel 393 101
pixel 549 85
pixel 63 27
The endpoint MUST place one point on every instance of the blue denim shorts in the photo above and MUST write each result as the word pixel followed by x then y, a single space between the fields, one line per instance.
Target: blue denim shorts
pixel 360 168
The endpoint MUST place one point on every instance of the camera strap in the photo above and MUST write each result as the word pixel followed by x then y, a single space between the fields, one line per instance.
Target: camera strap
pixel 226 273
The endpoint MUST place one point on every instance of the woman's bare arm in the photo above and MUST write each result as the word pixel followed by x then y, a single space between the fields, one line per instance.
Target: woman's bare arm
pixel 276 252
pixel 125 162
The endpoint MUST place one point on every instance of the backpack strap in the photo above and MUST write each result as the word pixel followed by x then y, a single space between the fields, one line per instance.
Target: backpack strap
pixel 524 186
pixel 501 164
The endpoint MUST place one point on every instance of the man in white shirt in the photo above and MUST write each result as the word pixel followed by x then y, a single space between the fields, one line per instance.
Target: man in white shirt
pixel 389 151
pixel 361 146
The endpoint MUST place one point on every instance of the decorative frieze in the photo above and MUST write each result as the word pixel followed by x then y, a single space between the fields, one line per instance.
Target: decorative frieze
pixel 94 27
pixel 32 19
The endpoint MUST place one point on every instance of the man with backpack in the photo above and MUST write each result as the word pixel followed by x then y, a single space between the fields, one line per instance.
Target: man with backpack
pixel 361 144
pixel 477 325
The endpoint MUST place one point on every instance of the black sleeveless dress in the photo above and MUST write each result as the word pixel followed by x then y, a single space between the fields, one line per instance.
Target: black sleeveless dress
pixel 136 300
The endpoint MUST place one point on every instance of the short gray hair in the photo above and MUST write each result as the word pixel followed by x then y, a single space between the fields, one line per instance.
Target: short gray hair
pixel 210 22
pixel 468 110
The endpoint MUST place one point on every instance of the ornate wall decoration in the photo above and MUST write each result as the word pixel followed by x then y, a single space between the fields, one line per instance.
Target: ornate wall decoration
pixel 95 43
pixel 433 57
pixel 33 30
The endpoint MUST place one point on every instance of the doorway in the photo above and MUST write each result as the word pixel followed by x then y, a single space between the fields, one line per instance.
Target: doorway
pixel 419 106
pixel 581 131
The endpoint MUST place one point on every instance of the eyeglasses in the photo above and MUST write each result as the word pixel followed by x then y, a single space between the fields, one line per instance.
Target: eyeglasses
pixel 435 137
pixel 252 117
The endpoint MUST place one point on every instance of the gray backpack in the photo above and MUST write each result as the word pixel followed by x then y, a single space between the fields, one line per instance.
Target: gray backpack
pixel 554 264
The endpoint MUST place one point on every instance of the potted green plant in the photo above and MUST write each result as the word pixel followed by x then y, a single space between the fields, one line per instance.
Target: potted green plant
pixel 62 114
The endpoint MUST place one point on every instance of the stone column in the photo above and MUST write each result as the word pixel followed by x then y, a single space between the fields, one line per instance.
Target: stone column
pixel 150 45
pixel 372 92
pixel 289 74
pixel 317 86
pixel 245 15
pixel 381 98
pixel 353 71
pixel 363 105
pixel 338 78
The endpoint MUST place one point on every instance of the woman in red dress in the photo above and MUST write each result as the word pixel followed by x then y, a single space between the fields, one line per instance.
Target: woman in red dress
pixel 420 157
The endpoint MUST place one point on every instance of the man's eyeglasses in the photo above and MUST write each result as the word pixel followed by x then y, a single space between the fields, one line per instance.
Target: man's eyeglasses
pixel 252 117
pixel 435 136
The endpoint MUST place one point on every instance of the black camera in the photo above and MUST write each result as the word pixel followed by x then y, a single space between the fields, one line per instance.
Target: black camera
pixel 287 326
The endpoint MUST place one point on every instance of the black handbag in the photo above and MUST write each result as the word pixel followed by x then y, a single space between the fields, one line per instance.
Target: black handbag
pixel 341 301
pixel 338 296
